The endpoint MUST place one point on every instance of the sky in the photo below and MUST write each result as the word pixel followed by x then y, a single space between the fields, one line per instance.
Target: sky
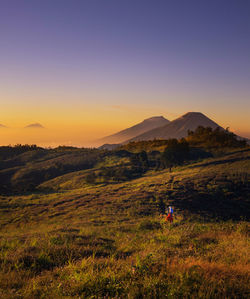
pixel 85 69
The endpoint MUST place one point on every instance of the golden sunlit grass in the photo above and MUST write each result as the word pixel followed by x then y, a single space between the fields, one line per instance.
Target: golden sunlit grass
pixel 108 240
pixel 187 259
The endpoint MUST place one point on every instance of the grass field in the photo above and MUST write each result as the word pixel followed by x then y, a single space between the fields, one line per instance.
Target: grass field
pixel 107 240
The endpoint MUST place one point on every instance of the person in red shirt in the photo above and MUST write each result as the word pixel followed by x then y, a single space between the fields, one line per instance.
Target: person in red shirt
pixel 169 218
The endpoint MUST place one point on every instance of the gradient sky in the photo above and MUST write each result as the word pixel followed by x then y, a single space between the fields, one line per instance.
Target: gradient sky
pixel 88 68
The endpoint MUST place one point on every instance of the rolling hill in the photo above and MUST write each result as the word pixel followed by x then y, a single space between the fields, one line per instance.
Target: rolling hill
pixel 142 127
pixel 108 240
pixel 177 128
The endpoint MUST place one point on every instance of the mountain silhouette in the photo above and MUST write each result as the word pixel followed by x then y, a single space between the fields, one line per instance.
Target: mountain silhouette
pixel 177 128
pixel 142 127
pixel 34 126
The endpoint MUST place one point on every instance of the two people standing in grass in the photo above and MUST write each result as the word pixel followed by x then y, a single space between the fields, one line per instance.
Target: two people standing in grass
pixel 169 217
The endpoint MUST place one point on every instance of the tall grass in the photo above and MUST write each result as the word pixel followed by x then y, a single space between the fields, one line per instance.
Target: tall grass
pixel 110 242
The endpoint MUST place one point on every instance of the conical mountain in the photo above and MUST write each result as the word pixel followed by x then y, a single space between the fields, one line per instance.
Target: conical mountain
pixel 178 128
pixel 35 126
pixel 142 127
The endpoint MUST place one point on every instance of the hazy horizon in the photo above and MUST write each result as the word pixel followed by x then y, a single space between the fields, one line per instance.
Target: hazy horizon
pixel 69 135
pixel 88 69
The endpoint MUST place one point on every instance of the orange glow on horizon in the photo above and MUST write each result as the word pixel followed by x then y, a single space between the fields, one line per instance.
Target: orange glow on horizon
pixel 79 132
pixel 80 123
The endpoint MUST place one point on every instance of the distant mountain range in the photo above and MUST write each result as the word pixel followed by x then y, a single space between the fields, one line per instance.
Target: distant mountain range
pixel 177 128
pixel 34 126
pixel 144 126
pixel 30 126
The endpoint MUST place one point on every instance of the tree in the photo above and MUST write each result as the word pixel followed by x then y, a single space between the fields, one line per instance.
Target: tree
pixel 139 162
pixel 143 158
pixel 175 153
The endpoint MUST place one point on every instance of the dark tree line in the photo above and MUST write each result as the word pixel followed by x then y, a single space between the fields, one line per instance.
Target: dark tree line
pixel 214 138
pixel 7 152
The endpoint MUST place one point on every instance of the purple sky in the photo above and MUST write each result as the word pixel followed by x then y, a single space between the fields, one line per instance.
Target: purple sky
pixel 168 56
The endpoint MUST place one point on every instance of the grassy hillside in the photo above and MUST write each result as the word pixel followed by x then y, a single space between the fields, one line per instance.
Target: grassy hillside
pixel 106 239
pixel 20 172
pixel 25 168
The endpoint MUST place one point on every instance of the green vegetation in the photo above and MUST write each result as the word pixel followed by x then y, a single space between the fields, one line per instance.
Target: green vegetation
pixel 86 231
pixel 217 138
pixel 202 137
pixel 176 153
